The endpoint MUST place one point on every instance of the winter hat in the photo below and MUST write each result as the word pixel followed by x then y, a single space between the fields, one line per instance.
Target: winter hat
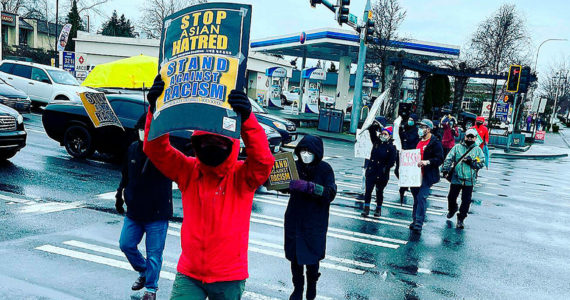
pixel 471 131
pixel 388 129
pixel 427 123
pixel 414 117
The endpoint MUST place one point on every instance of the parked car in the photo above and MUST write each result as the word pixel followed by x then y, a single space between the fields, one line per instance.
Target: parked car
pixel 288 97
pixel 68 123
pixel 285 128
pixel 43 84
pixel 14 98
pixel 12 132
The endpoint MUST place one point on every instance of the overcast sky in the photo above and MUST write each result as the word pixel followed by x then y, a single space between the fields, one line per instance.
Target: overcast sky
pixel 442 21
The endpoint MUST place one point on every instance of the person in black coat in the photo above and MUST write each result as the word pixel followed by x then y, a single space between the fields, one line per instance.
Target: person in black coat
pixel 431 158
pixel 382 159
pixel 148 195
pixel 307 215
pixel 409 138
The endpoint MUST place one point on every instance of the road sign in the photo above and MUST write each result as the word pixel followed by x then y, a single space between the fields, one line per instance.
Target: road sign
pixel 352 19
pixel 514 78
pixel 69 61
pixel 81 66
pixel 502 111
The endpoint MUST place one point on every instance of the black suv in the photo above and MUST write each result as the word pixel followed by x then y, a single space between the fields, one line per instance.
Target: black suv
pixel 12 133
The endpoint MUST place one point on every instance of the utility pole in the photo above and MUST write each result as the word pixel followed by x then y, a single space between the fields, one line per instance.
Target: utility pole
pixel 357 100
pixel 513 124
pixel 56 35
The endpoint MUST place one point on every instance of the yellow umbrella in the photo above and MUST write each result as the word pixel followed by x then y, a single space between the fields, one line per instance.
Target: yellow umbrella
pixel 130 73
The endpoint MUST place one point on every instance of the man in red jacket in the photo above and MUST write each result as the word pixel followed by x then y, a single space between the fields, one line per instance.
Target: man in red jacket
pixel 483 132
pixel 217 196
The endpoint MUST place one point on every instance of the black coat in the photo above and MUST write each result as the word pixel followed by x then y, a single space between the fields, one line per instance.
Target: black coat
pixel 148 193
pixel 382 158
pixel 307 216
pixel 409 137
pixel 434 153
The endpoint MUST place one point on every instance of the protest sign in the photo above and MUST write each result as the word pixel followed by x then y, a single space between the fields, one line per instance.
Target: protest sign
pixel 99 110
pixel 203 56
pixel 539 136
pixel 363 145
pixel 284 170
pixel 410 173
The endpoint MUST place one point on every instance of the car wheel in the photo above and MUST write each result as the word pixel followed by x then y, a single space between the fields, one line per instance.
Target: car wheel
pixel 78 142
pixel 7 155
pixel 60 97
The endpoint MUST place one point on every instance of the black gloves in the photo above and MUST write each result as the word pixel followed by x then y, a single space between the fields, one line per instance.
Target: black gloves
pixel 468 160
pixel 240 104
pixel 119 202
pixel 155 91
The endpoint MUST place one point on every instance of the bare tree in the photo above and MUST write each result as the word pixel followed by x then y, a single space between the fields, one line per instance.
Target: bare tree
pixel 154 11
pixel 388 15
pixel 11 6
pixel 500 40
pixel 556 80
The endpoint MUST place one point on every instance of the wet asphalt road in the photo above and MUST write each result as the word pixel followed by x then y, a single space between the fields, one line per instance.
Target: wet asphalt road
pixel 60 235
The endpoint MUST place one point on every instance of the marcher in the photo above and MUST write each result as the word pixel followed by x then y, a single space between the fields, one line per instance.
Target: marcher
pixel 148 195
pixel 484 135
pixel 307 215
pixel 432 157
pixel 217 196
pixel 409 139
pixel 450 132
pixel 528 122
pixel 464 174
pixel 382 159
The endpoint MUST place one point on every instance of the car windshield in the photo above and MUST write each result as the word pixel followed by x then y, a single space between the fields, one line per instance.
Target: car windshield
pixel 256 108
pixel 62 77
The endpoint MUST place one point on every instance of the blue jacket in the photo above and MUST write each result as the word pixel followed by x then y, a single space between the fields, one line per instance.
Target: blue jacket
pixel 434 153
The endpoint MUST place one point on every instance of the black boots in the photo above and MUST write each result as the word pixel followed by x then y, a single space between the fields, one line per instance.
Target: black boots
pixel 378 211
pixel 139 284
pixel 366 211
pixel 298 284
pixel 312 285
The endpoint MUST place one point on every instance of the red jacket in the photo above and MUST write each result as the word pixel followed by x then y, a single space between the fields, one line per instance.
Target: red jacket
pixel 482 131
pixel 216 202
pixel 449 134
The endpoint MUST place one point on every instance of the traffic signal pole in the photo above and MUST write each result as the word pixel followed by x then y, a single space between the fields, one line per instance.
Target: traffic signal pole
pixel 357 100
pixel 514 120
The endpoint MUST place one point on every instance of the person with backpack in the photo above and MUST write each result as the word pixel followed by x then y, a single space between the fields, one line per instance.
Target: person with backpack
pixel 382 158
pixel 462 163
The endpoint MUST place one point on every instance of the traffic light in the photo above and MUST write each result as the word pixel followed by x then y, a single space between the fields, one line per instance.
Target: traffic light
pixel 525 80
pixel 510 99
pixel 315 2
pixel 514 78
pixel 342 11
pixel 369 31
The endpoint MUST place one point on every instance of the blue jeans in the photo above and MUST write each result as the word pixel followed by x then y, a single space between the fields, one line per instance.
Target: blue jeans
pixel 420 203
pixel 131 236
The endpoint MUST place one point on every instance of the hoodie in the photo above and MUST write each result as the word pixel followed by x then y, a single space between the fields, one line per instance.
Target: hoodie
pixel 216 202
pixel 482 130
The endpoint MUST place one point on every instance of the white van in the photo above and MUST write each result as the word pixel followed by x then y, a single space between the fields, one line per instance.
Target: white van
pixel 43 84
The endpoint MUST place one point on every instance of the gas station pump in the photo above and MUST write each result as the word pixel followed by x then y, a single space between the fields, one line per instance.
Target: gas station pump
pixel 367 92
pixel 312 90
pixel 276 78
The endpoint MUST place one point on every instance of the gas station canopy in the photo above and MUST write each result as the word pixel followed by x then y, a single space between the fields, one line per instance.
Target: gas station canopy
pixel 332 44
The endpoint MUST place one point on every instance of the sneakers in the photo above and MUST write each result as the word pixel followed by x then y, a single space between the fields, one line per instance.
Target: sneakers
pixel 451 214
pixel 460 224
pixel 139 284
pixel 366 211
pixel 149 296
pixel 378 211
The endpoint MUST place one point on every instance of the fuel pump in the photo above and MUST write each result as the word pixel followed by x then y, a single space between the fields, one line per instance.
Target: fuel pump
pixel 276 78
pixel 367 92
pixel 312 89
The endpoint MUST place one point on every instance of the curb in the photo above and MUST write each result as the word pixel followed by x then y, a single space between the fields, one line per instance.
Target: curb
pixel 536 156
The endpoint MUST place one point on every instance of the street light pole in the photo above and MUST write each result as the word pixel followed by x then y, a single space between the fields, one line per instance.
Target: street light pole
pixel 538 51
pixel 357 100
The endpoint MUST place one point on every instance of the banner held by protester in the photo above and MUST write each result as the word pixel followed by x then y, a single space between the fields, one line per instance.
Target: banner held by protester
pixel 410 173
pixel 284 170
pixel 203 56
pixel 99 110
pixel 363 145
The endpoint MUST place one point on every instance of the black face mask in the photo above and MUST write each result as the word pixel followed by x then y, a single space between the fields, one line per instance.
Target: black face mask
pixel 479 123
pixel 212 156
pixel 469 143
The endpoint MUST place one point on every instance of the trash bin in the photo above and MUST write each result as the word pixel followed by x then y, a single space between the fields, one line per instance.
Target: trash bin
pixel 336 120
pixel 324 119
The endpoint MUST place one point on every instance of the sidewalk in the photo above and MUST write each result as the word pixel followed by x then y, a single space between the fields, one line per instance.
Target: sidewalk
pixel 342 137
pixel 556 145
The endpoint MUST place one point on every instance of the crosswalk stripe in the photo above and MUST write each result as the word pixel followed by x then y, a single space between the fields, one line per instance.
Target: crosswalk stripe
pixel 281 255
pixel 49 207
pixel 340 214
pixel 109 251
pixel 96 259
pixel 126 266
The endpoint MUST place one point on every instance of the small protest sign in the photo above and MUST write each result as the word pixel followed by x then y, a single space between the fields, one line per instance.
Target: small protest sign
pixel 539 136
pixel 202 58
pixel 284 171
pixel 99 110
pixel 410 173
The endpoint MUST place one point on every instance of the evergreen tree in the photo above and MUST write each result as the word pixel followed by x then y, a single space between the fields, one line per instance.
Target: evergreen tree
pixel 116 26
pixel 74 19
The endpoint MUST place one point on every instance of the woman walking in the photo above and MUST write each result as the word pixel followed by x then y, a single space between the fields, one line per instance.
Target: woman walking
pixel 307 215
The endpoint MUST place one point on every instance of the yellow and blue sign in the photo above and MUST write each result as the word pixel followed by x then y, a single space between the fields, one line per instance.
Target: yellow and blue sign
pixel 203 56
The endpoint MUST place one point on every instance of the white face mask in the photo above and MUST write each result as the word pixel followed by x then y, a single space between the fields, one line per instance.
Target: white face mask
pixel 141 135
pixel 307 157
